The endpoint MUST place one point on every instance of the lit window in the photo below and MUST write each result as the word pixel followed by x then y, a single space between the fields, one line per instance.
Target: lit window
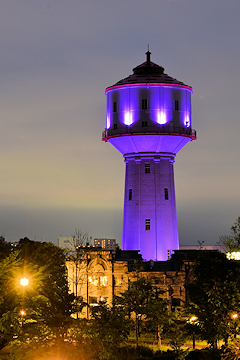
pixel 144 104
pixel 93 280
pixel 147 224
pixel 103 281
pixel 144 124
pixel 115 106
pixel 176 105
pixel 130 194
pixel 147 168
pixel 92 300
pixel 166 193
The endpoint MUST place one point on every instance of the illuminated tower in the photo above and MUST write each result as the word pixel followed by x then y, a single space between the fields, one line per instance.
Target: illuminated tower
pixel 149 120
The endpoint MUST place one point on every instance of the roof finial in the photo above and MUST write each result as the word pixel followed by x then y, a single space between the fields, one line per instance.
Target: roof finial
pixel 148 55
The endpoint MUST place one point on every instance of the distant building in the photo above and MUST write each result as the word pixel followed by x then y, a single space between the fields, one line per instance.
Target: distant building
pixel 67 243
pixel 220 248
pixel 106 244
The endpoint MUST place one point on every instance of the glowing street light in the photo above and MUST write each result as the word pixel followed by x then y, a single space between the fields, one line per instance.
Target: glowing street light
pixel 234 316
pixel 24 282
pixel 192 320
pixel 22 312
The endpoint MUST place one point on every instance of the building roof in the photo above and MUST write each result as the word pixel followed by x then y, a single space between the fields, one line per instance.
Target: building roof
pixel 148 72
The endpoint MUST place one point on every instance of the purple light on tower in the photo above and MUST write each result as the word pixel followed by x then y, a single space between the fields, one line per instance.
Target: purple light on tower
pixel 149 120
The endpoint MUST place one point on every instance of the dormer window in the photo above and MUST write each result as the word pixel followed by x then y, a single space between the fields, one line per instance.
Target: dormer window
pixel 144 104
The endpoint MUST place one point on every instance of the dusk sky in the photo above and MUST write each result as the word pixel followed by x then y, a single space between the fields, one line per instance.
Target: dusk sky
pixel 56 59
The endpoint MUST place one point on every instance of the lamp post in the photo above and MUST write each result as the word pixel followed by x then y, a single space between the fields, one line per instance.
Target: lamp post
pixel 23 282
pixel 192 320
pixel 22 313
pixel 235 317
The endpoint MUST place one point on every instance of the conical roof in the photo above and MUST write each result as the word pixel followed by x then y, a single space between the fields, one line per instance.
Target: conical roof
pixel 148 72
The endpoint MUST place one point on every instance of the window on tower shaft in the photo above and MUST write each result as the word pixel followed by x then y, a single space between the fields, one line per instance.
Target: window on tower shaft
pixel 147 168
pixel 166 193
pixel 144 124
pixel 144 104
pixel 130 195
pixel 176 105
pixel 114 126
pixel 147 224
pixel 115 106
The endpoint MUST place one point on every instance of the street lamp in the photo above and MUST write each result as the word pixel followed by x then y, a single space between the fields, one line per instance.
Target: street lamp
pixel 24 282
pixel 192 320
pixel 22 313
pixel 235 317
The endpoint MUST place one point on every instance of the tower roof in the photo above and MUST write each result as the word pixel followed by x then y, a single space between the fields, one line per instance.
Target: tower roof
pixel 148 72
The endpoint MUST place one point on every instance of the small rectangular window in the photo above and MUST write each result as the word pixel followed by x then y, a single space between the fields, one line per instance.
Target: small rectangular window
pixel 93 300
pixel 147 224
pixel 166 193
pixel 176 105
pixel 114 126
pixel 144 104
pixel 130 195
pixel 147 168
pixel 115 106
pixel 144 124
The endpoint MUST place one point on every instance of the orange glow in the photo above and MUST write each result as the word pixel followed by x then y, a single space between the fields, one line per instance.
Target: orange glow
pixel 193 318
pixel 24 282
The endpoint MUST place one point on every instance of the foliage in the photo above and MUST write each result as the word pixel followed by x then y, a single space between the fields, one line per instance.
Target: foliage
pixel 5 248
pixel 139 300
pixel 176 331
pixel 46 301
pixel 108 329
pixel 232 351
pixel 50 261
pixel 157 315
pixel 232 241
pixel 215 295
pixel 57 350
pixel 205 354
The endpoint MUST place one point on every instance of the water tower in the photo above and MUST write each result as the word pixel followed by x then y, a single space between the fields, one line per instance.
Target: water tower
pixel 149 120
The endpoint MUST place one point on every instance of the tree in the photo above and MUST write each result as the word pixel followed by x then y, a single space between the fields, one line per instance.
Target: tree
pixel 46 301
pixel 232 241
pixel 139 300
pixel 176 331
pixel 5 248
pixel 77 242
pixel 157 315
pixel 108 329
pixel 215 294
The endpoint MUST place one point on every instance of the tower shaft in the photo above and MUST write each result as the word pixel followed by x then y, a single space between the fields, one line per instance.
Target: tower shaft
pixel 150 215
